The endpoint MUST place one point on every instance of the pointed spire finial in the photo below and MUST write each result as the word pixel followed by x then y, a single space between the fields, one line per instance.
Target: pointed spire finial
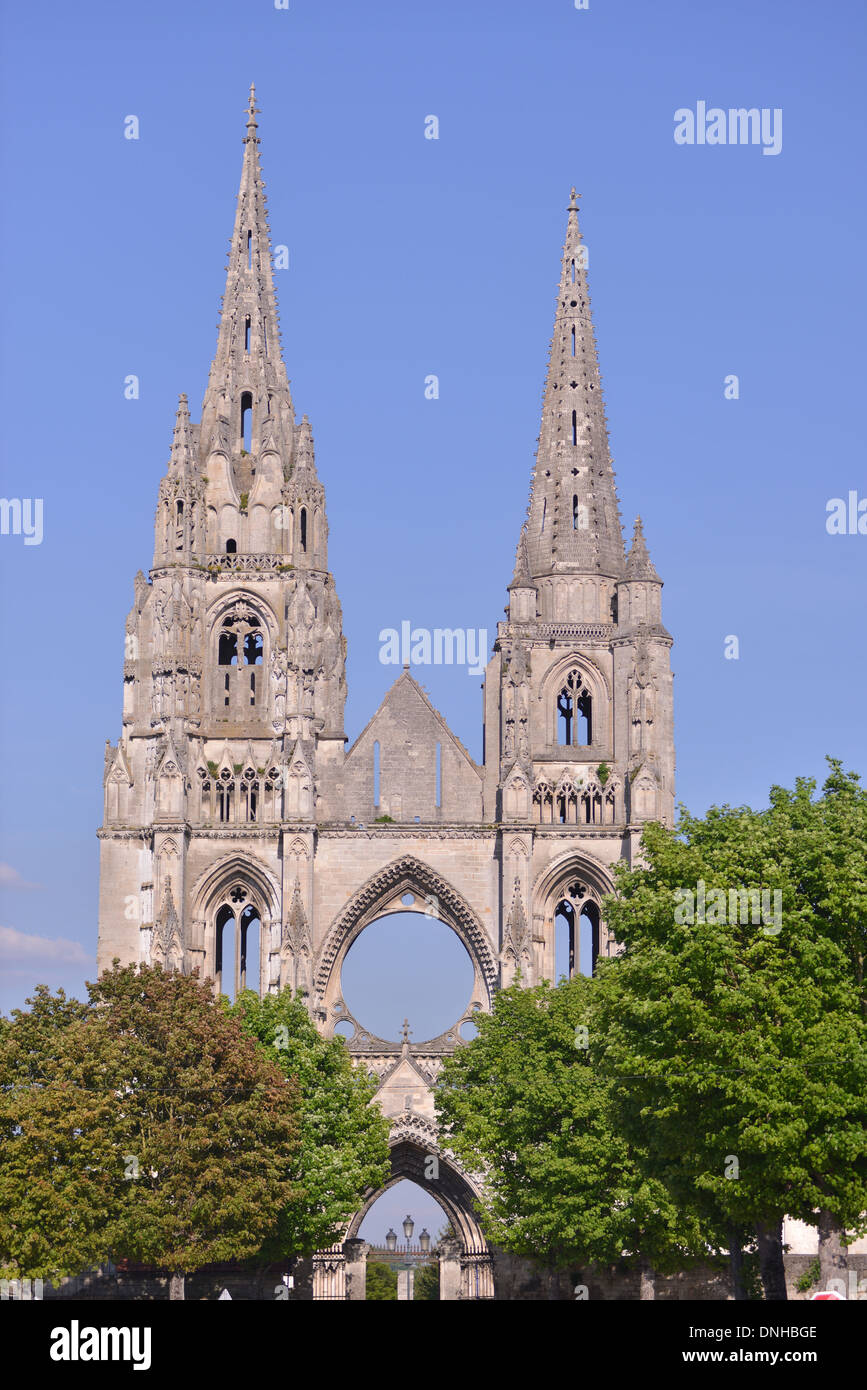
pixel 252 108
pixel 574 521
pixel 638 563
pixel 182 457
pixel 522 562
pixel 248 360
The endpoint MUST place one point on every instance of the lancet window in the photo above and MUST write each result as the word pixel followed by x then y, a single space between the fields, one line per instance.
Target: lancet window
pixel 574 712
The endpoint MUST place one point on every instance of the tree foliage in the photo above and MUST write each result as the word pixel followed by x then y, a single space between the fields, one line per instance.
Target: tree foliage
pixel 426 1286
pixel 145 1124
pixel 381 1283
pixel 736 1047
pixel 526 1106
pixel 722 1078
pixel 57 1156
pixel 212 1125
pixel 825 844
pixel 343 1152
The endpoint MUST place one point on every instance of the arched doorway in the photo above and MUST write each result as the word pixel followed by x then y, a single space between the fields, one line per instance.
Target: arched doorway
pixel 406 1071
pixel 403 1231
pixel 466 1270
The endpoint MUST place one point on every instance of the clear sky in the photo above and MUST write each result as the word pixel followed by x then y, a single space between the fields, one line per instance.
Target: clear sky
pixel 411 257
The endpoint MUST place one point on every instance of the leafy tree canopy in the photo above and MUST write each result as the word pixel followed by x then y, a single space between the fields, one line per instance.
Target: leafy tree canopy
pixel 145 1125
pixel 733 1038
pixel 528 1109
pixel 343 1152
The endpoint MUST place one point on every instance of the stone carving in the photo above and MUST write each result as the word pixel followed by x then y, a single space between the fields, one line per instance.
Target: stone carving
pixel 167 947
pixel 278 687
pixel 641 701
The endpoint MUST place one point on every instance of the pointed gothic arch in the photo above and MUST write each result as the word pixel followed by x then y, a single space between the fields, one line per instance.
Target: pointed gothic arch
pixel 575 676
pixel 581 882
pixel 381 895
pixel 243 886
pixel 413 1142
pixel 257 605
pixel 242 632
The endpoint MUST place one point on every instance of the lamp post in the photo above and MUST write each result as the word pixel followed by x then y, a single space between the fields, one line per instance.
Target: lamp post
pixel 405 1258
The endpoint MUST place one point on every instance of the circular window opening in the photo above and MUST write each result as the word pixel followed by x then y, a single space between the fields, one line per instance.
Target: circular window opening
pixel 407 966
pixel 408 899
pixel 468 1030
pixel 344 1029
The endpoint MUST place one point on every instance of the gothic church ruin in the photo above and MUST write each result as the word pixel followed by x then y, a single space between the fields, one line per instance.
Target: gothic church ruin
pixel 241 824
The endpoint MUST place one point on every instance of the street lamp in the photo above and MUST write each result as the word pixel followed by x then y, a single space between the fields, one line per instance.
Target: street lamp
pixel 391 1241
pixel 424 1241
pixel 408 1228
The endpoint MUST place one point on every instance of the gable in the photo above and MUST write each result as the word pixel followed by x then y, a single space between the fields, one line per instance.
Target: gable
pixel 408 764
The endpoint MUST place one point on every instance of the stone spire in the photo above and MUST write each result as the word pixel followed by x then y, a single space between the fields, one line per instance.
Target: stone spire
pixel 248 370
pixel 182 460
pixel 522 560
pixel 639 564
pixel 304 495
pixel 573 520
pixel 179 533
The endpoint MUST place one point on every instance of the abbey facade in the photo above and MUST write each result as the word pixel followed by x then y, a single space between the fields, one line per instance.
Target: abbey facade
pixel 247 838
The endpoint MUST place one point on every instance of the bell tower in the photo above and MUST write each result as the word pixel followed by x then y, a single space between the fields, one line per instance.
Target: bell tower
pixel 232 742
pixel 578 706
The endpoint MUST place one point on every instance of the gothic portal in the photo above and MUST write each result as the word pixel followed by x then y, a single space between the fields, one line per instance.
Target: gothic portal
pixel 243 838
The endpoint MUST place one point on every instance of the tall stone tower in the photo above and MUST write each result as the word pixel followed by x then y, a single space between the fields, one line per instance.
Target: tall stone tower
pixel 234 685
pixel 579 690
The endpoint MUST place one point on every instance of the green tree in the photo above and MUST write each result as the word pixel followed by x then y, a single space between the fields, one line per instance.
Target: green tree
pixel 825 844
pixel 735 1048
pixel 57 1155
pixel 212 1123
pixel 343 1152
pixel 381 1284
pixel 426 1288
pixel 526 1104
pixel 176 1136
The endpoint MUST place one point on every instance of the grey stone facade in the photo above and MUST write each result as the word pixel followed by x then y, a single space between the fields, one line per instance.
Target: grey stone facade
pixel 231 794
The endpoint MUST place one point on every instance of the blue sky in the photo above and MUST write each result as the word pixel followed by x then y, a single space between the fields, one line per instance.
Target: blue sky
pixel 410 257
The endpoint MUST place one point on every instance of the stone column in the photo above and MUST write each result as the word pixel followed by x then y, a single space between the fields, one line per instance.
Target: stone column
pixel 450 1269
pixel 405 1285
pixel 355 1254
